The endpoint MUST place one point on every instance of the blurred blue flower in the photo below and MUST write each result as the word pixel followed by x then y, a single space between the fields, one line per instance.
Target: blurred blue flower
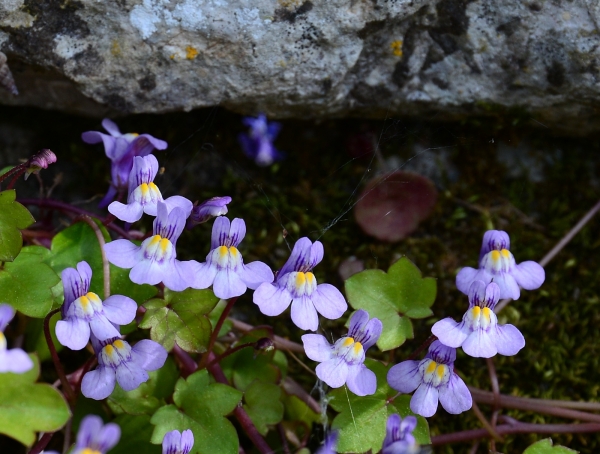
pixel 216 206
pixel 175 442
pixel 14 360
pixel 258 142
pixel 399 438
pixel 330 444
pixel 95 437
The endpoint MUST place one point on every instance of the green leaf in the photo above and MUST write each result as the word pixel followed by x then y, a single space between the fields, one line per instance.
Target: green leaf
pixel 394 298
pixel 201 407
pixel 545 447
pixel 136 432
pixel 13 218
pixel 26 284
pixel 245 366
pixel 362 420
pixel 181 318
pixel 149 396
pixel 27 407
pixel 78 242
pixel 263 405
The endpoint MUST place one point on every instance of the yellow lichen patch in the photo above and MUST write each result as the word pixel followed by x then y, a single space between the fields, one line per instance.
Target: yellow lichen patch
pixel 191 52
pixel 115 48
pixel 396 47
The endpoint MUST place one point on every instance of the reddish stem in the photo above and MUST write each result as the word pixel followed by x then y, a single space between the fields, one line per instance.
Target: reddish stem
pixel 42 443
pixel 59 369
pixel 215 333
pixel 423 346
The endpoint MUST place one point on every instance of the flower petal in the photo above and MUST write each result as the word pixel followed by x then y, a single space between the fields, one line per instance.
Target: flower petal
pixel 171 442
pixel 405 377
pixel 187 441
pixel 328 301
pixel 509 340
pixel 177 275
pixel 220 232
pixel 255 273
pixel 494 240
pixel 508 286
pixel 271 300
pixel 480 344
pixel 228 284
pixel 73 333
pixel 203 274
pixel 147 271
pixel 450 333
pixel 333 372
pixel 149 354
pixel 358 321
pixel 119 309
pixel 15 360
pixel 102 328
pixel 529 275
pixel 425 401
pixel 98 384
pixel 108 436
pixel 111 127
pixel 371 333
pixel 361 380
pixel 300 257
pixel 317 348
pixel 304 314
pixel 131 212
pixel 180 202
pixel 465 278
pixel 130 376
pixel 122 253
pixel 237 232
pixel 455 396
pixel 316 253
pixel 6 315
pixel 89 428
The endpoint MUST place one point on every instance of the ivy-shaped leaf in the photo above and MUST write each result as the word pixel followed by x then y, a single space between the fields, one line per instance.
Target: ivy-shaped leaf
pixel 245 366
pixel 394 298
pixel 201 407
pixel 149 396
pixel 545 447
pixel 26 284
pixel 78 242
pixel 263 405
pixel 27 407
pixel 13 218
pixel 362 420
pixel 136 432
pixel 181 318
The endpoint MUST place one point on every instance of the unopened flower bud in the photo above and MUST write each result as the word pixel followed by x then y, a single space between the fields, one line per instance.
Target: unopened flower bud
pixel 40 161
pixel 217 206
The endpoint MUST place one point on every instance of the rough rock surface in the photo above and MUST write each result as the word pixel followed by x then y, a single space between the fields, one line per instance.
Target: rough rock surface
pixel 309 58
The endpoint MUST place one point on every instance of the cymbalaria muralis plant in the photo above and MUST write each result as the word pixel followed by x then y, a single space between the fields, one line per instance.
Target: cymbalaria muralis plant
pixel 172 369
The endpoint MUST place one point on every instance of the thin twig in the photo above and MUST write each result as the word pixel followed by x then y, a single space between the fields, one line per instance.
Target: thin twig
pixel 290 386
pixel 519 428
pixel 559 246
pixel 66 386
pixel 216 330
pixel 280 342
pixel 100 237
pixel 422 347
pixel 42 443
pixel 230 351
pixel 61 206
pixel 284 442
pixel 486 424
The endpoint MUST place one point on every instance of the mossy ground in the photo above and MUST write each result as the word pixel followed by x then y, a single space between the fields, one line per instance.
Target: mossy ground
pixel 311 193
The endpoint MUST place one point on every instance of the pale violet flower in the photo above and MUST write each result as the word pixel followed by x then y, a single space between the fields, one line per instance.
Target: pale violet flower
pixel 479 334
pixel 211 208
pixel 14 360
pixel 497 263
pixel 343 362
pixel 296 284
pixel 95 437
pixel 156 259
pixel 224 268
pixel 176 442
pixel 258 142
pixel 399 437
pixel 121 149
pixel 330 444
pixel 83 310
pixel 144 195
pixel 118 362
pixel 433 378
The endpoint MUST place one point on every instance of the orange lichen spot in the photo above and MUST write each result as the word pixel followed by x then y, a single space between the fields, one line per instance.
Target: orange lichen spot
pixel 396 47
pixel 191 52
pixel 115 48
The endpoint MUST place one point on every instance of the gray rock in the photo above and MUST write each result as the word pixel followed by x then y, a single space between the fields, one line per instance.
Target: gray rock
pixel 537 59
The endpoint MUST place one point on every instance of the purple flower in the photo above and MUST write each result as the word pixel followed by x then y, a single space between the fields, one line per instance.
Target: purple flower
pixel 433 378
pixel 41 160
pixel 94 437
pixel 175 442
pixel 258 143
pixel 398 437
pixel 496 262
pixel 343 362
pixel 217 206
pixel 144 195
pixel 155 260
pixel 296 283
pixel 14 360
pixel 121 149
pixel 117 360
pixel 224 268
pixel 479 333
pixel 84 310
pixel 330 444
